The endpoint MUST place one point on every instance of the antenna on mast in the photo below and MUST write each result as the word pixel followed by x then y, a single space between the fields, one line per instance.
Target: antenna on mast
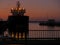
pixel 18 4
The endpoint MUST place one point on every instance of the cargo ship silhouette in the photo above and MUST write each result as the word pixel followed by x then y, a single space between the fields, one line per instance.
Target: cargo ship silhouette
pixel 50 22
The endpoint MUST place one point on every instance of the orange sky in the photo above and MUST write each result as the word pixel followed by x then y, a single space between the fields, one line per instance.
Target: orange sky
pixel 36 9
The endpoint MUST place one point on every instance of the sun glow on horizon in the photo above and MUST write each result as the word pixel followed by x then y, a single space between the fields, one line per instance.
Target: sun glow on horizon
pixel 36 10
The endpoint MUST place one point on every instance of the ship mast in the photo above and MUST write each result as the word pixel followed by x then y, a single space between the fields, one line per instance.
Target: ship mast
pixel 18 11
pixel 18 5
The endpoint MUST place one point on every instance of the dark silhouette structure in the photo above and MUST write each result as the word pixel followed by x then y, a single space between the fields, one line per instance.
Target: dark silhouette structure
pixel 18 10
pixel 3 26
pixel 18 23
pixel 50 22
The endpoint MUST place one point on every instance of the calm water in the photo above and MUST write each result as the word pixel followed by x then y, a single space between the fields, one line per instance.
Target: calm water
pixel 36 26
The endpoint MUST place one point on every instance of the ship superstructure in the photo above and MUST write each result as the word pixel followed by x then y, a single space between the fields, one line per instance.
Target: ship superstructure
pixel 18 11
pixel 18 23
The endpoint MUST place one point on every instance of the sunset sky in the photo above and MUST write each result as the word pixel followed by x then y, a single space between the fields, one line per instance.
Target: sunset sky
pixel 36 9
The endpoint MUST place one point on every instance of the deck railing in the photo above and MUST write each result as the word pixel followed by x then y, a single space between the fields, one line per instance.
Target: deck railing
pixel 34 35
pixel 44 34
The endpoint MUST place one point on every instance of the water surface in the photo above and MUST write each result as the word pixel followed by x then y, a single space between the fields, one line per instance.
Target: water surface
pixel 36 26
pixel 43 34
